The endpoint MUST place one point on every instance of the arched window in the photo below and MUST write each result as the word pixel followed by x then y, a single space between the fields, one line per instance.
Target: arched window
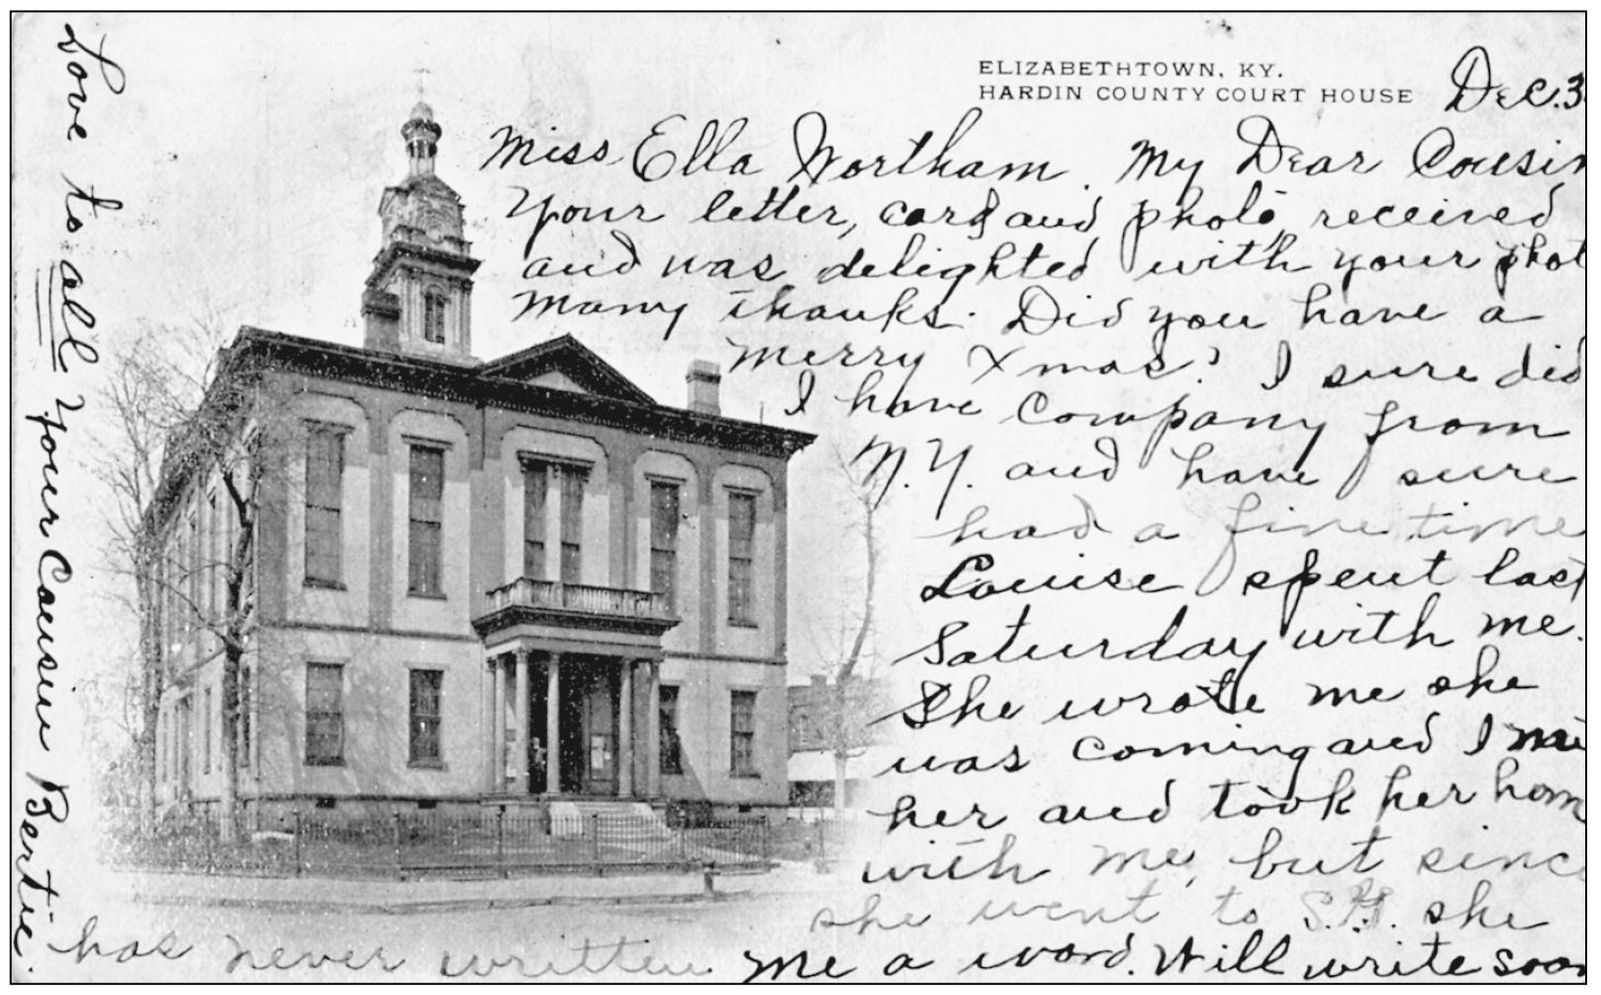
pixel 433 327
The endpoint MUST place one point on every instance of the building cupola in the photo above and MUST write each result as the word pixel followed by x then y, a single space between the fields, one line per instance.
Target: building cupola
pixel 422 139
pixel 418 298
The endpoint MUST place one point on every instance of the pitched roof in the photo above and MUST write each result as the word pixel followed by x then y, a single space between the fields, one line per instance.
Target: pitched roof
pixel 565 364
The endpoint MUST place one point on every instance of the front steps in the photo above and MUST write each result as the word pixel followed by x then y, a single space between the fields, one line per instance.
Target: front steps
pixel 615 821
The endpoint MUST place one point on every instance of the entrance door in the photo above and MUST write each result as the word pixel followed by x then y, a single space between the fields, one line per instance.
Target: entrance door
pixel 588 753
pixel 571 747
pixel 600 737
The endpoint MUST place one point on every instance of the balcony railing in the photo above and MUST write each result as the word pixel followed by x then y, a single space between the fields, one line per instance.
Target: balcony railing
pixel 526 592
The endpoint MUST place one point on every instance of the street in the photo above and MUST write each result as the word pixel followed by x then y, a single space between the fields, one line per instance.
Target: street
pixel 124 941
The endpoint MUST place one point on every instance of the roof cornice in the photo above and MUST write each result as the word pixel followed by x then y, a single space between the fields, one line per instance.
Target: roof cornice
pixel 480 385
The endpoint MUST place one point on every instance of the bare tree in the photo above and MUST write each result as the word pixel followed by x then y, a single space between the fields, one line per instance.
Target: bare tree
pixel 190 416
pixel 845 721
pixel 148 394
pixel 223 441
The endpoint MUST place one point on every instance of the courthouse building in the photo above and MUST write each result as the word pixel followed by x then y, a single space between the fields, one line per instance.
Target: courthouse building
pixel 512 579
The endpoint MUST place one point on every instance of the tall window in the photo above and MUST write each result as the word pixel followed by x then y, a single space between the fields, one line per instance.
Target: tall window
pixel 212 556
pixel 205 732
pixel 741 551
pixel 325 713
pixel 800 727
pixel 433 326
pixel 540 483
pixel 325 474
pixel 425 685
pixel 536 478
pixel 672 759
pixel 186 738
pixel 572 522
pixel 664 541
pixel 192 581
pixel 742 734
pixel 163 615
pixel 172 571
pixel 244 714
pixel 427 516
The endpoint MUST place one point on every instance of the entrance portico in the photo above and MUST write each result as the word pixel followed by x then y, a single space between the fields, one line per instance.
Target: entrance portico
pixel 572 694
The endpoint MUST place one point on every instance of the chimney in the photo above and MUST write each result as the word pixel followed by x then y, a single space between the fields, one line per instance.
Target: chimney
pixel 819 680
pixel 703 379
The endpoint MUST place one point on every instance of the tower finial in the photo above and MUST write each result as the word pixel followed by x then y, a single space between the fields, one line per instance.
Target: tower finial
pixel 421 133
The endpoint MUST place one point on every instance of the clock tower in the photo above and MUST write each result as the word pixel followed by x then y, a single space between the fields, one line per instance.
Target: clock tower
pixel 418 299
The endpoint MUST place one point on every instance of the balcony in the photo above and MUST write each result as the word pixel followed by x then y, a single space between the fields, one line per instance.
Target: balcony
pixel 553 603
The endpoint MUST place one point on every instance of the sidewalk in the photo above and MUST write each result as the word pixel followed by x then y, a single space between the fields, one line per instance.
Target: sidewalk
pixel 383 896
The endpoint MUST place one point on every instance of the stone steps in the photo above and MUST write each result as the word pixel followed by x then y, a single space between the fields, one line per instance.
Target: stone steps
pixel 618 821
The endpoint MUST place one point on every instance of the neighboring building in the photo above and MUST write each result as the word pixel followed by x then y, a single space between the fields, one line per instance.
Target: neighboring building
pixel 815 735
pixel 478 580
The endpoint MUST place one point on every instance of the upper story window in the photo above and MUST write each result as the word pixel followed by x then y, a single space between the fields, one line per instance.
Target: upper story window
pixel 664 541
pixel 536 479
pixel 213 554
pixel 192 565
pixel 433 324
pixel 741 554
pixel 544 483
pixel 573 479
pixel 325 471
pixel 425 540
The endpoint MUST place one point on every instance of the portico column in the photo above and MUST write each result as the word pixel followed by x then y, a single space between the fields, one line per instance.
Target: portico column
pixel 497 728
pixel 653 735
pixel 625 730
pixel 553 726
pixel 519 776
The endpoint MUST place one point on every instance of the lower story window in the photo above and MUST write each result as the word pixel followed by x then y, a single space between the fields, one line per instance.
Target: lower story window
pixel 243 722
pixel 325 713
pixel 205 732
pixel 742 734
pixel 425 689
pixel 672 761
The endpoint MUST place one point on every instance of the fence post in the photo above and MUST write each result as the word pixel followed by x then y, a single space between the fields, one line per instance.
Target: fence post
pixel 594 837
pixel 210 856
pixel 398 872
pixel 500 840
pixel 767 841
pixel 297 842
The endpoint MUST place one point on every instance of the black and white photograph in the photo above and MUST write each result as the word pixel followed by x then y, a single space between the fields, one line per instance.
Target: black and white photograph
pixel 743 497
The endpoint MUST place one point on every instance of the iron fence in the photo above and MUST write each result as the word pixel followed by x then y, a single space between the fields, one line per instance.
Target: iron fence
pixel 493 842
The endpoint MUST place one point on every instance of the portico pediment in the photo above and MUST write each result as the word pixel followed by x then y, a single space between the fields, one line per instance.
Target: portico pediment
pixel 566 364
